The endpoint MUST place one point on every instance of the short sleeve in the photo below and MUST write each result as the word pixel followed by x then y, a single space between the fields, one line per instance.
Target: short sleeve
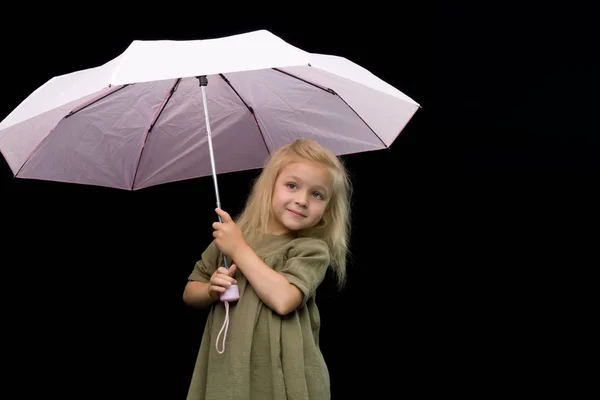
pixel 207 265
pixel 306 265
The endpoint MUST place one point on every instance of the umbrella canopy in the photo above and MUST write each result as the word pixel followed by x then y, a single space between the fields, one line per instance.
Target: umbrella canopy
pixel 139 120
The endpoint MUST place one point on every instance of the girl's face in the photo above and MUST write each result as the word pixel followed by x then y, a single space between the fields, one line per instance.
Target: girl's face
pixel 300 196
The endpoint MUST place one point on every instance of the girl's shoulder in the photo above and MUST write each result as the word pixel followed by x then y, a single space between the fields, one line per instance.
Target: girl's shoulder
pixel 307 241
pixel 307 246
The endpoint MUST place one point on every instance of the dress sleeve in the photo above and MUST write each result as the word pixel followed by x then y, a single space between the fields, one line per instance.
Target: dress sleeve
pixel 207 264
pixel 306 266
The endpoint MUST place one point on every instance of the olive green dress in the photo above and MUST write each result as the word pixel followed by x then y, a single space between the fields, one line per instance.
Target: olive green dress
pixel 267 356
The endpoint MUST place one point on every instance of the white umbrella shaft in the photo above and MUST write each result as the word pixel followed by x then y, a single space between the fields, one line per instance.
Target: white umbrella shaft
pixel 210 147
pixel 203 83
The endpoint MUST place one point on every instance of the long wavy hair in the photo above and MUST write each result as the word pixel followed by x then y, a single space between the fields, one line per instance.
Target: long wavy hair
pixel 334 227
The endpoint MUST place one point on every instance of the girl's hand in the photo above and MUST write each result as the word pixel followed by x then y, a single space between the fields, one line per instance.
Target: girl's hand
pixel 228 237
pixel 221 280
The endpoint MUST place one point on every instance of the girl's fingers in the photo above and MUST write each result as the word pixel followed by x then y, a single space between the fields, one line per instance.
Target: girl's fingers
pixel 222 280
pixel 217 288
pixel 225 278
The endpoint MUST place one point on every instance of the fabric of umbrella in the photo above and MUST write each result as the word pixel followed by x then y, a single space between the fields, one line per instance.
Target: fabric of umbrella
pixel 139 120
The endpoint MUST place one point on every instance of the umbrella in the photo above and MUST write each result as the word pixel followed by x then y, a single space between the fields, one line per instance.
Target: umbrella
pixel 148 116
pixel 139 120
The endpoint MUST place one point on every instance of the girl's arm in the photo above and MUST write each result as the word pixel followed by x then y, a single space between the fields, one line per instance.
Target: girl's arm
pixel 196 295
pixel 273 288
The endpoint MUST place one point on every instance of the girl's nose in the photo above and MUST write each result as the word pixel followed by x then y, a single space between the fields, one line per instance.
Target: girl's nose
pixel 301 200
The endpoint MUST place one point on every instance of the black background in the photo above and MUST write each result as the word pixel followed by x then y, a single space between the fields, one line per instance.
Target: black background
pixel 452 229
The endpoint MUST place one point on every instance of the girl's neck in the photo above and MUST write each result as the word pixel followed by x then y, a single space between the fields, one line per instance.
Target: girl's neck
pixel 280 232
pixel 276 229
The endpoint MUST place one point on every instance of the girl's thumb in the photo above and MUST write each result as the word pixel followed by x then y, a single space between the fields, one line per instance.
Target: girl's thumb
pixel 232 269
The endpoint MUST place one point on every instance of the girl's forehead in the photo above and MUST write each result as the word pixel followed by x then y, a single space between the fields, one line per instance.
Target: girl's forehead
pixel 309 172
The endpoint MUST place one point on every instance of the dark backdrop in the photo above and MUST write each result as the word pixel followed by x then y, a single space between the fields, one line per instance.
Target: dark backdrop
pixel 446 222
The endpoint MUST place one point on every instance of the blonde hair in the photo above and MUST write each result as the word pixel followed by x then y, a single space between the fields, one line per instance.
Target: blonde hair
pixel 334 227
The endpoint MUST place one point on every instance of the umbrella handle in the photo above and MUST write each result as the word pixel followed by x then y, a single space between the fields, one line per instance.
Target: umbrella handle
pixel 232 293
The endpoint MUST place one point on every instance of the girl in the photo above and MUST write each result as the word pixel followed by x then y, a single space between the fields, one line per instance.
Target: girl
pixel 294 226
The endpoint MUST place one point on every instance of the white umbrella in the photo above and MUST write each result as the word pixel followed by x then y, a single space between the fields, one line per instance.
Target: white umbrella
pixel 143 118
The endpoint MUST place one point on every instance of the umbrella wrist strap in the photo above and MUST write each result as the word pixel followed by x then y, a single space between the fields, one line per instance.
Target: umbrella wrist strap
pixel 224 329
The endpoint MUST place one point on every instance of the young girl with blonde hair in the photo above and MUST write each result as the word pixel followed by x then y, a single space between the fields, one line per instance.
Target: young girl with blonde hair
pixel 295 225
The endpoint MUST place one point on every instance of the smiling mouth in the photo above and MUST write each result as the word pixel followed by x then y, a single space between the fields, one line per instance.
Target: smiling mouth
pixel 297 213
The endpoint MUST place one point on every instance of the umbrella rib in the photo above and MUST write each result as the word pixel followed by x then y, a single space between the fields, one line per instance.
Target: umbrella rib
pixel 328 90
pixel 365 122
pixel 333 92
pixel 164 104
pixel 83 107
pixel 249 108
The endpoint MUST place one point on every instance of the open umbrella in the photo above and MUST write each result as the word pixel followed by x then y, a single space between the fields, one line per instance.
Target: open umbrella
pixel 139 121
pixel 147 117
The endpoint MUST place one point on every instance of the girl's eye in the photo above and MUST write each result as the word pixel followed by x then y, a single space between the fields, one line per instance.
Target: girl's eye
pixel 291 185
pixel 318 195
